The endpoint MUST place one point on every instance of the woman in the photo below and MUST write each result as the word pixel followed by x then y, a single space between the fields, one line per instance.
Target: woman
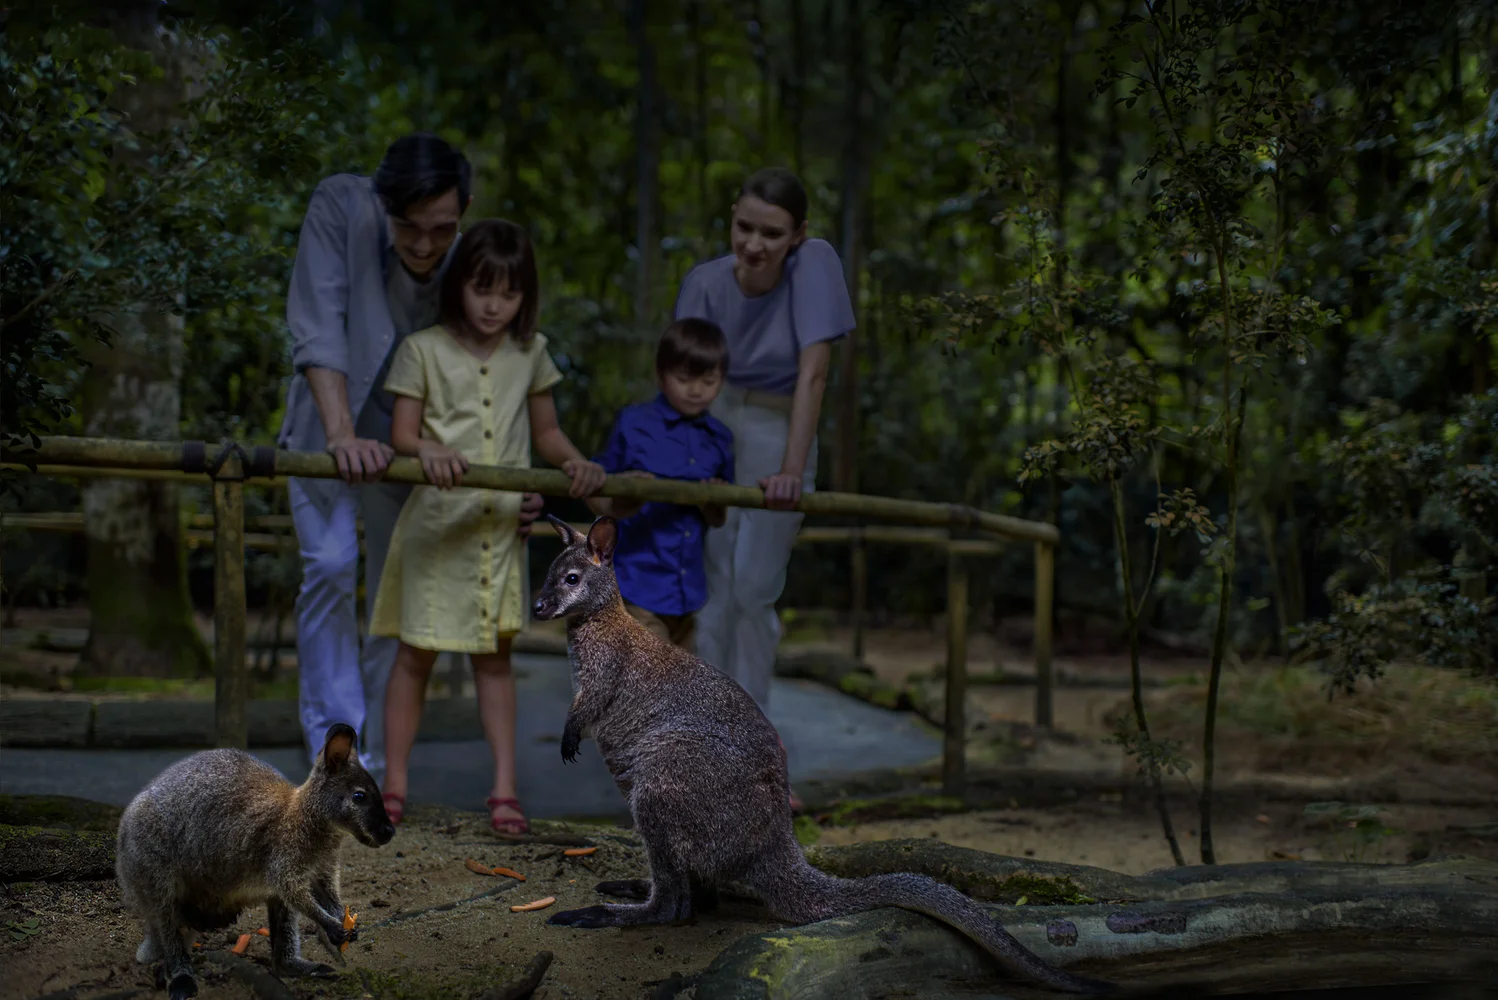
pixel 781 300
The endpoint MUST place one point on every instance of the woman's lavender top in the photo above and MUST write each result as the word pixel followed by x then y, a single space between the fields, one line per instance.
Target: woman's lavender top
pixel 766 333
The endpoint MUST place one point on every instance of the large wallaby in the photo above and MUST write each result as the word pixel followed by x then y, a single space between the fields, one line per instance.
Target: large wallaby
pixel 704 773
pixel 221 831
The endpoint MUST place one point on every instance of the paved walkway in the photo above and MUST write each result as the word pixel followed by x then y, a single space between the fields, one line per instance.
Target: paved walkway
pixel 826 734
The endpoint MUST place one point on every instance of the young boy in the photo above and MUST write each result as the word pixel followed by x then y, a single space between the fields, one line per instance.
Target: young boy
pixel 658 558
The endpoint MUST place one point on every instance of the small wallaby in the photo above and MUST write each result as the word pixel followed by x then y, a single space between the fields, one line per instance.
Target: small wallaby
pixel 220 831
pixel 704 773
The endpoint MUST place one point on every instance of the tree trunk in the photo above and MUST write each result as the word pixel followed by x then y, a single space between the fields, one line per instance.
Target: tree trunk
pixel 1270 925
pixel 845 474
pixel 648 159
pixel 140 613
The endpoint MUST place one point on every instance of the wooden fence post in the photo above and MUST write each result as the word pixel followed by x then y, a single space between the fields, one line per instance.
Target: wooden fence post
pixel 859 555
pixel 1045 585
pixel 954 721
pixel 231 689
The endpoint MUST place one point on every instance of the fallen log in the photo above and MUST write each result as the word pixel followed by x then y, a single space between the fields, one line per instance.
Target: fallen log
pixel 48 854
pixel 1235 928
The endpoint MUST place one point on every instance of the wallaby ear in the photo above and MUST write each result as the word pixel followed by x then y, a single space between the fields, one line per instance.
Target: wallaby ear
pixel 338 749
pixel 569 537
pixel 601 539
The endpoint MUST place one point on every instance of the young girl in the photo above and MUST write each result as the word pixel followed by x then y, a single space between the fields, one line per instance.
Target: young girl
pixel 476 387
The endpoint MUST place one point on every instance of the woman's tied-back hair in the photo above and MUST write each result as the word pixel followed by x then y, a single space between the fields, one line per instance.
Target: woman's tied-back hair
pixel 779 187
pixel 693 347
pixel 421 166
pixel 494 252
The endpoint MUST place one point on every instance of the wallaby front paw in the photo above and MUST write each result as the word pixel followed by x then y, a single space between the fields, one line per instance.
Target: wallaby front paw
pixel 331 938
pixel 625 888
pixel 588 917
pixel 183 986
pixel 572 738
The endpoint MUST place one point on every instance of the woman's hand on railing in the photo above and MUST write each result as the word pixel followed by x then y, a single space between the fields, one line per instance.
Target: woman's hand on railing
pixel 782 491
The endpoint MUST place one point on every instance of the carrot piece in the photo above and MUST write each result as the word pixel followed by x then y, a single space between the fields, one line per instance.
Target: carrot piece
pixel 539 904
pixel 477 868
pixel 263 931
pixel 579 852
pixel 242 945
pixel 507 873
pixel 349 919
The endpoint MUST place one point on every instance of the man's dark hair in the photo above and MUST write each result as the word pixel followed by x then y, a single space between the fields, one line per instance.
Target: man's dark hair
pixel 693 347
pixel 494 252
pixel 421 166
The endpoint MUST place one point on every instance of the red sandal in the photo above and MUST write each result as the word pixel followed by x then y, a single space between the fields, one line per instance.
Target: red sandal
pixel 395 807
pixel 508 824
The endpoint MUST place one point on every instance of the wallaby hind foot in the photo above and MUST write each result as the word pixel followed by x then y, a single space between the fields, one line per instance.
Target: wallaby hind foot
pixel 704 895
pixel 182 986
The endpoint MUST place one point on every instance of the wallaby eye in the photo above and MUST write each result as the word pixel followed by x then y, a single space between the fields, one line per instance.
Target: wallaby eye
pixel 359 795
pixel 572 579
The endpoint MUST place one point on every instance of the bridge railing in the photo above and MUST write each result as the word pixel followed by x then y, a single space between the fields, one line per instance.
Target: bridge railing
pixel 229 468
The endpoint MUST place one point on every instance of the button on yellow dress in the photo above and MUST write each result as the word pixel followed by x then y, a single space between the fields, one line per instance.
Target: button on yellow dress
pixel 453 579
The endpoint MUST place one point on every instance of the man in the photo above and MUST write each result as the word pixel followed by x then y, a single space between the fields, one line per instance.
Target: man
pixel 367 273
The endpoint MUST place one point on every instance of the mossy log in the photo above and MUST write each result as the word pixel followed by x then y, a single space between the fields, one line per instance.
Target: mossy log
pixel 1260 926
pixel 50 854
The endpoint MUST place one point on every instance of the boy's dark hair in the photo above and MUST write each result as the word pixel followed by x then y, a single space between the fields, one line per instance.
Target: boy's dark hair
pixel 493 252
pixel 693 347
pixel 421 166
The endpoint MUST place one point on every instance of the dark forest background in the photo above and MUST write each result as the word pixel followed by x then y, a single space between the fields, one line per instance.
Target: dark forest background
pixel 1212 285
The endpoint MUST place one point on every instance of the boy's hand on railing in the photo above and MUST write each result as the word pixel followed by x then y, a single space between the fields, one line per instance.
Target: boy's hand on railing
pixel 587 477
pixel 629 506
pixel 444 466
pixel 360 459
pixel 530 509
pixel 715 513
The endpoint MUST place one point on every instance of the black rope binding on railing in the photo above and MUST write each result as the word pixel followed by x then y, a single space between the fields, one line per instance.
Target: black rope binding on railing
pixel 260 461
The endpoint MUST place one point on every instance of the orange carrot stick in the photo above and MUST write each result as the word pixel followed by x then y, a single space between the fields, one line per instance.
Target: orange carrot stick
pixel 579 852
pixel 539 904
pixel 242 945
pixel 263 931
pixel 508 873
pixel 477 868
pixel 349 919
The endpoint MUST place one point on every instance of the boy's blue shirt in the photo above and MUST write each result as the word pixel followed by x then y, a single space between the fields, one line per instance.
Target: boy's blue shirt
pixel 658 558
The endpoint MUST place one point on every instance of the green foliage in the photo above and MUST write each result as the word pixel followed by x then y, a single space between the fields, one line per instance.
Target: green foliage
pixel 104 209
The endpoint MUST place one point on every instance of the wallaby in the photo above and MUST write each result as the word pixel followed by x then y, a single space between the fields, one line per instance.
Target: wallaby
pixel 704 773
pixel 221 831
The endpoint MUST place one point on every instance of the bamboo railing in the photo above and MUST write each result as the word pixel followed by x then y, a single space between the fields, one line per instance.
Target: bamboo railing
pixel 230 468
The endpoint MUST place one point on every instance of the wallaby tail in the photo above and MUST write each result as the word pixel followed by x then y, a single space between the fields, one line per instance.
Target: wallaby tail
pixel 807 894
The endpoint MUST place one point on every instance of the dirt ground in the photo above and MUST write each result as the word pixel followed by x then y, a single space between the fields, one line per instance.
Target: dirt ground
pixel 1419 749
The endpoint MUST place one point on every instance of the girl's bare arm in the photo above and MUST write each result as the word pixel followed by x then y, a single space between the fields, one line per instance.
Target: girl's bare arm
pixel 556 447
pixel 405 425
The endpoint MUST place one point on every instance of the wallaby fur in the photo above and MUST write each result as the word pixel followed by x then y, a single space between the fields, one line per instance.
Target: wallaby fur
pixel 221 831
pixel 704 773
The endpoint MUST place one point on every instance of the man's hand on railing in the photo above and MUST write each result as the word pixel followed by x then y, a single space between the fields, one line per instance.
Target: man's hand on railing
pixel 360 459
pixel 530 509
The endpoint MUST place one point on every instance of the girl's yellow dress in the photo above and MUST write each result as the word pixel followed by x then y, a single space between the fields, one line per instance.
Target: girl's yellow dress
pixel 454 577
